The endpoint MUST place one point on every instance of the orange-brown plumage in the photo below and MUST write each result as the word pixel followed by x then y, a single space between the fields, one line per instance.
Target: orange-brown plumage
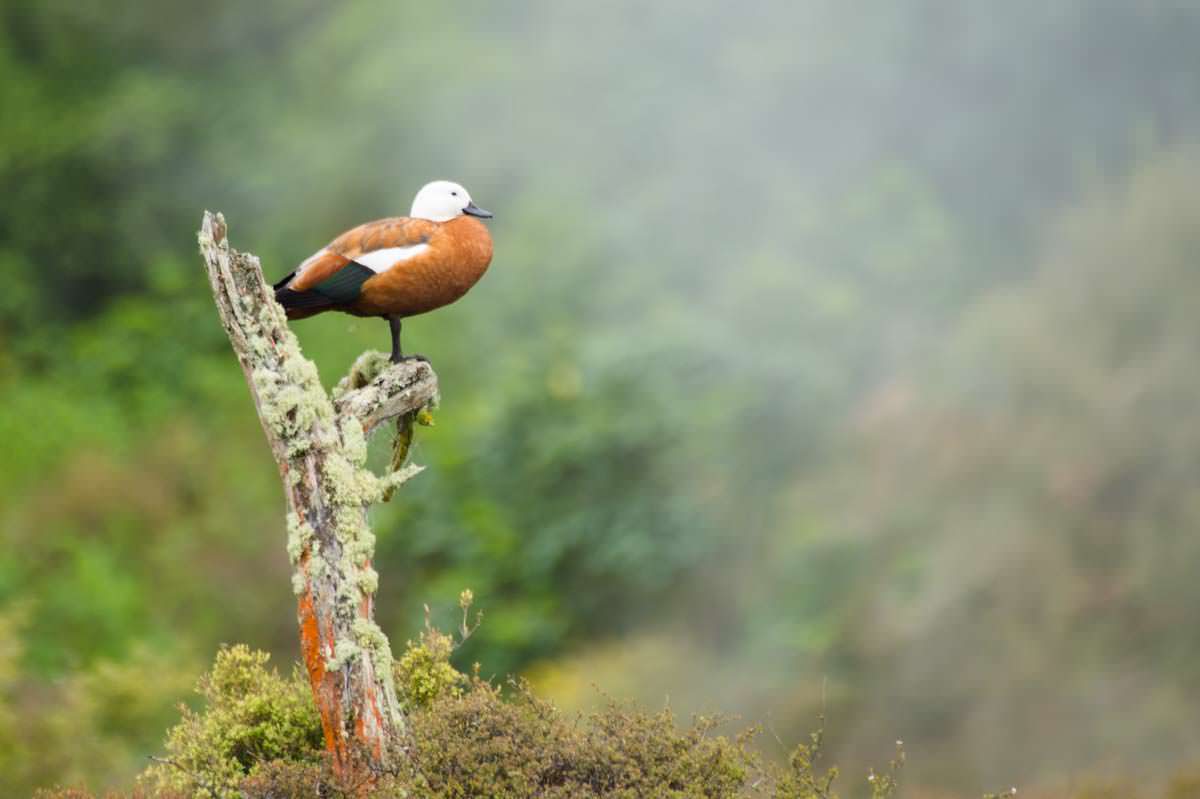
pixel 459 253
pixel 396 267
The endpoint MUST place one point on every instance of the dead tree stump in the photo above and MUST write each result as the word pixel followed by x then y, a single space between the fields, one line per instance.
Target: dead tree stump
pixel 320 444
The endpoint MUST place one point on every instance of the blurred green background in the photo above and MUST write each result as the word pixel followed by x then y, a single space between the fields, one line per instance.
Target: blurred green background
pixel 833 354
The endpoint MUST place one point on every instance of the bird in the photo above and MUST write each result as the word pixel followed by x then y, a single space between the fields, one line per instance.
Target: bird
pixel 396 267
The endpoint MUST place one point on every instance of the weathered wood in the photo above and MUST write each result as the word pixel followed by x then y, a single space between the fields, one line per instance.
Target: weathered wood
pixel 320 444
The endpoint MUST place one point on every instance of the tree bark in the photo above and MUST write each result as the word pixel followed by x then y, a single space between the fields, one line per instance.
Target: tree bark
pixel 320 444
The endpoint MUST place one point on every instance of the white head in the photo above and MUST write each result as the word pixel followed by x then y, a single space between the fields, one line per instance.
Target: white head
pixel 442 201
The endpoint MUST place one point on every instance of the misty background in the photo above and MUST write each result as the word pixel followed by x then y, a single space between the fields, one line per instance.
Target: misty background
pixel 834 357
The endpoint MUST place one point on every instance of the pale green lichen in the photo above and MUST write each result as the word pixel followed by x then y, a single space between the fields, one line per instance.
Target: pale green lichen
pixel 290 398
pixel 300 535
pixel 397 478
pixel 368 580
pixel 347 484
pixel 368 366
pixel 300 413
pixel 373 640
pixel 301 370
pixel 316 564
pixel 354 441
pixel 361 548
pixel 367 640
pixel 349 488
pixel 291 410
pixel 270 315
pixel 345 652
pixel 347 522
pixel 347 598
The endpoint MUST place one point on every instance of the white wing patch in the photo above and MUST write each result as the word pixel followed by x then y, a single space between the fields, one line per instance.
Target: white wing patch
pixel 308 262
pixel 382 260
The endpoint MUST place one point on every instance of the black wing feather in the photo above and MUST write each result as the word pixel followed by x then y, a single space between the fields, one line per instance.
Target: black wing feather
pixel 344 285
pixel 301 299
pixel 341 288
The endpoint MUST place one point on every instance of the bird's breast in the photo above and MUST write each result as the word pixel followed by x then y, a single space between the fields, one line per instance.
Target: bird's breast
pixel 459 252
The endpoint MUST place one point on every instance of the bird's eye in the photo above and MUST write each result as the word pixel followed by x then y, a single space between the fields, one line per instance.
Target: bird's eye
pixel 453 194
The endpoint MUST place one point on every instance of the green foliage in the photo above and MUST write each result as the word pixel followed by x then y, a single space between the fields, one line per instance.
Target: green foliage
pixel 46 730
pixel 887 783
pixel 424 673
pixel 779 342
pixel 251 715
pixel 257 736
pixel 803 779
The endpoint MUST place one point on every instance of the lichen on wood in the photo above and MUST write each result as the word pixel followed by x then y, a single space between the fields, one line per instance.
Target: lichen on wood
pixel 319 442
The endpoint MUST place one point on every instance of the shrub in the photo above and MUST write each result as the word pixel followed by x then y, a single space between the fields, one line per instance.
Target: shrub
pixel 258 736
pixel 479 744
pixel 423 673
pixel 251 716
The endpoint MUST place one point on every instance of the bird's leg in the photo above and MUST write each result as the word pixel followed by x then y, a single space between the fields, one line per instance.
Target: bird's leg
pixel 394 324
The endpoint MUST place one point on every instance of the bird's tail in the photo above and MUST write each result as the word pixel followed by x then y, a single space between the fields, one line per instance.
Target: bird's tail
pixel 299 304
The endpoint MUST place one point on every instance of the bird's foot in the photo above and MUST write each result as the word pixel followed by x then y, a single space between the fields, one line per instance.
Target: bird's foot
pixel 396 358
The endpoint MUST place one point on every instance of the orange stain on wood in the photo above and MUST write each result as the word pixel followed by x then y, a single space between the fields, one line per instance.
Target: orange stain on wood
pixel 313 647
pixel 373 741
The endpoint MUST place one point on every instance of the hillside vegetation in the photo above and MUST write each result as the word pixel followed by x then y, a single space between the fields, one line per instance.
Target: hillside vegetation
pixel 831 358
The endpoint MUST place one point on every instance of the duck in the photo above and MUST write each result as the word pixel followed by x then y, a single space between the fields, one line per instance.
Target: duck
pixel 396 267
